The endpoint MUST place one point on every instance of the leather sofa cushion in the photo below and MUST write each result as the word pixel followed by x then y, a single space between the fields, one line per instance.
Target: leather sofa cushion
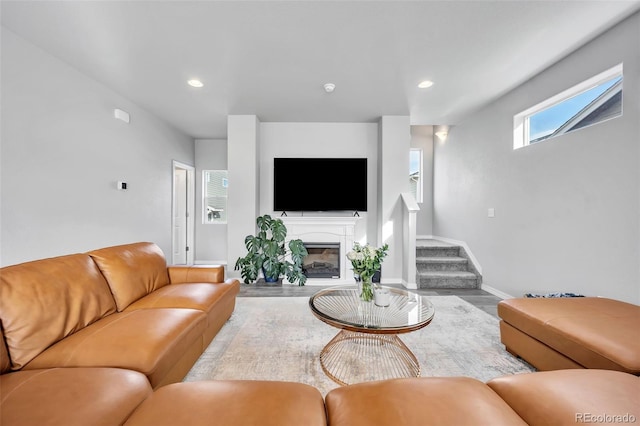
pixel 150 341
pixel 594 332
pixel 229 403
pixel 567 397
pixel 418 402
pixel 196 274
pixel 44 301
pixel 132 270
pixel 202 296
pixel 217 301
pixel 71 396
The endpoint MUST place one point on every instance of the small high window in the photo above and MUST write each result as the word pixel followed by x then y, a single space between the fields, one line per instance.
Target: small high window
pixel 590 102
pixel 415 173
pixel 214 203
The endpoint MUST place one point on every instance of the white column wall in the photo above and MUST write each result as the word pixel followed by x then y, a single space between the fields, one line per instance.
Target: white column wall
pixel 394 145
pixel 244 186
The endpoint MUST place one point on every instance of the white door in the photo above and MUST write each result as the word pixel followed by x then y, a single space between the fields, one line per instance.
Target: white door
pixel 182 219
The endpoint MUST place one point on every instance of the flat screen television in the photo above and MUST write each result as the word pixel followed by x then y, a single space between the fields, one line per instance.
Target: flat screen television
pixel 320 184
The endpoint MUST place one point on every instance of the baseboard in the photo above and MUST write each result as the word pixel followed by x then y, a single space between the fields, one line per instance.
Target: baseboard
pixel 211 262
pixel 496 292
pixel 387 281
pixel 409 286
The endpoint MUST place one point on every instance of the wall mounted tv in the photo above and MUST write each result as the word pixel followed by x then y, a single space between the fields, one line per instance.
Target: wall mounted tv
pixel 320 184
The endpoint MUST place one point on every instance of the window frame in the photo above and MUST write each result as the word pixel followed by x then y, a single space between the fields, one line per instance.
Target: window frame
pixel 420 182
pixel 204 212
pixel 521 129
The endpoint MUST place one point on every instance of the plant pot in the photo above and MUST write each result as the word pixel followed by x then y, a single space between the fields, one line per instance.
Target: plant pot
pixel 269 279
pixel 260 282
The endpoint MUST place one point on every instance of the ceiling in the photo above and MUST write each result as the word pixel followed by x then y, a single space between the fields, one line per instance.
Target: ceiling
pixel 272 58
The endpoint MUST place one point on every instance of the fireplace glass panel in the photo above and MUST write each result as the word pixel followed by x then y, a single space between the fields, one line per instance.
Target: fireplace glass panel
pixel 323 260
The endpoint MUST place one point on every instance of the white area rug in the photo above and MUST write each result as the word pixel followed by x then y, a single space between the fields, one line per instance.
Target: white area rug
pixel 278 338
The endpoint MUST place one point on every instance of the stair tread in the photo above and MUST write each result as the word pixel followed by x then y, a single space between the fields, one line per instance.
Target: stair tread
pixel 448 259
pixel 445 274
pixel 437 247
pixel 428 242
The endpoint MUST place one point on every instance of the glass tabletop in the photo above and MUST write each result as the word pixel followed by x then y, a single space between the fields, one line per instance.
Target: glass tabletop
pixel 341 307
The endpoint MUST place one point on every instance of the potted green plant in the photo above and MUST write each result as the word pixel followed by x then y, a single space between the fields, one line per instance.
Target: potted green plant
pixel 266 252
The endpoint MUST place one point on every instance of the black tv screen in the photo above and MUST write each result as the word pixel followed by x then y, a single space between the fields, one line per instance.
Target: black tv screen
pixel 319 184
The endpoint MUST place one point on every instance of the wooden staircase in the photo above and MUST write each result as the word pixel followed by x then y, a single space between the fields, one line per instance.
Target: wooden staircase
pixel 443 265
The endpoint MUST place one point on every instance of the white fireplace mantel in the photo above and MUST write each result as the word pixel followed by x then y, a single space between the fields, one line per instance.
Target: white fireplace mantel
pixel 325 230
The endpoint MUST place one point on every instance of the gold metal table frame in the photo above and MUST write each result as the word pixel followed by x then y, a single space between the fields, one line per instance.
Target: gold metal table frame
pixel 367 346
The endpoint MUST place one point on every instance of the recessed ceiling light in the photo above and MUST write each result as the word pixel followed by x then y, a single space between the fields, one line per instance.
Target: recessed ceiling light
pixel 195 83
pixel 329 87
pixel 425 84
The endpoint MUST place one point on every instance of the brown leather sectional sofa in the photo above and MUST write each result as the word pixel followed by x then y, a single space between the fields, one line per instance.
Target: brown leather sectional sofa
pixel 105 337
pixel 107 396
pixel 114 307
pixel 116 317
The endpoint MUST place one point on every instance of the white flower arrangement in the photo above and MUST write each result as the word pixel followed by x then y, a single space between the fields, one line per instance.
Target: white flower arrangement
pixel 367 260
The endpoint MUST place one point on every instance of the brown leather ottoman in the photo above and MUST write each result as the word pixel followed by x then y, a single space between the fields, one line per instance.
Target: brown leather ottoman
pixel 569 397
pixel 419 402
pixel 237 402
pixel 580 332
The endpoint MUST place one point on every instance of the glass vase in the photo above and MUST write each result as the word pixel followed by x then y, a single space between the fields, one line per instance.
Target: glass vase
pixel 366 290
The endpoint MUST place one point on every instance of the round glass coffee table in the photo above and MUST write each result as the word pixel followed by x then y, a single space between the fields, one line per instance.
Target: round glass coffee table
pixel 367 346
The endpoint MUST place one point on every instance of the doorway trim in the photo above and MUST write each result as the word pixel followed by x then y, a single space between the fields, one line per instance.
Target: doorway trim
pixel 190 210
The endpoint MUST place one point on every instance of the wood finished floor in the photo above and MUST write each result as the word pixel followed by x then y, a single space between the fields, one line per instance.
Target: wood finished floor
pixel 478 298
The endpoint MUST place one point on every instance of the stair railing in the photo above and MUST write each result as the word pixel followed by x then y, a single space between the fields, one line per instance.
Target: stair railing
pixel 409 212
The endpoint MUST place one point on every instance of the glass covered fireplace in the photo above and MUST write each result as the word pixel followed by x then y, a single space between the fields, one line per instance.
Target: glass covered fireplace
pixel 323 260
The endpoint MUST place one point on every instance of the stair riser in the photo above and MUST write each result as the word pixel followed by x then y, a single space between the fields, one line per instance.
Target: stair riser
pixel 441 266
pixel 429 282
pixel 437 251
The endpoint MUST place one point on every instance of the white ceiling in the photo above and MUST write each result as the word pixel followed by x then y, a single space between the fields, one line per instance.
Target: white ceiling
pixel 271 58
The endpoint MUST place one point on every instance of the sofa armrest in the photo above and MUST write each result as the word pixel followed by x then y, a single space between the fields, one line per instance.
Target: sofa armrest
pixel 569 397
pixel 196 274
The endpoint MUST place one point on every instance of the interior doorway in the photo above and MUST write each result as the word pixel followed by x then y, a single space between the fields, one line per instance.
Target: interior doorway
pixel 182 217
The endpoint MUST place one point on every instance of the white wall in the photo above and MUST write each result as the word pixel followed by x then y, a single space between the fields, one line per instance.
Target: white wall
pixel 387 178
pixel 321 140
pixel 62 153
pixel 567 210
pixel 211 238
